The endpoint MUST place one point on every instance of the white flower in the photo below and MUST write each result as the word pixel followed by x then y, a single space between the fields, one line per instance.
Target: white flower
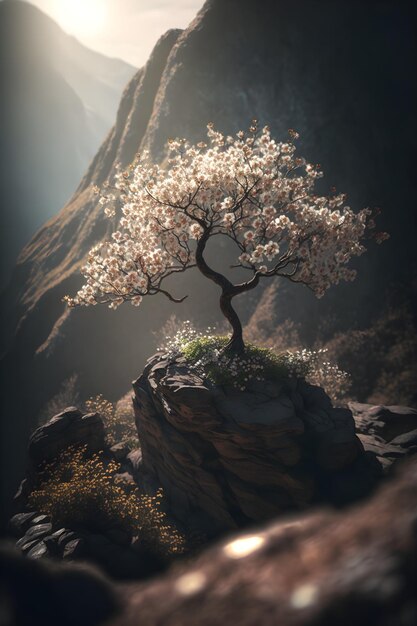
pixel 250 189
pixel 229 218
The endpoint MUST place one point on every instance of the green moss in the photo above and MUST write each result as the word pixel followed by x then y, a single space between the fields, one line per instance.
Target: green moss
pixel 237 370
pixel 202 347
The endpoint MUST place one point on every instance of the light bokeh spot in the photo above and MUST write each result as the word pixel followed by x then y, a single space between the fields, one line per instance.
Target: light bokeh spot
pixel 244 546
pixel 191 583
pixel 304 596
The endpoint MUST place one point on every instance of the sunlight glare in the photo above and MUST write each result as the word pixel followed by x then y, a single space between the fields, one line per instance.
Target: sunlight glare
pixel 82 17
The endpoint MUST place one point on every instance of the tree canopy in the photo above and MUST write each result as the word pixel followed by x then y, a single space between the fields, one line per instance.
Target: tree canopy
pixel 248 188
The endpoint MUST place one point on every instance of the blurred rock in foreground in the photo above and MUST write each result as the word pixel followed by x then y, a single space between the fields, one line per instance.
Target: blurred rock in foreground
pixel 319 569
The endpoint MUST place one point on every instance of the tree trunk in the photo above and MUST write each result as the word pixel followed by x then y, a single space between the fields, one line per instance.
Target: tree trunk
pixel 236 344
pixel 229 291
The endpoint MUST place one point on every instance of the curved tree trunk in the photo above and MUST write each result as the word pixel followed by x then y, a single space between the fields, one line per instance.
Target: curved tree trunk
pixel 236 344
pixel 229 290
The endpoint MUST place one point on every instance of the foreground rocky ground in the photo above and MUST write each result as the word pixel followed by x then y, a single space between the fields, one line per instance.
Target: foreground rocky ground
pixel 229 462
pixel 318 569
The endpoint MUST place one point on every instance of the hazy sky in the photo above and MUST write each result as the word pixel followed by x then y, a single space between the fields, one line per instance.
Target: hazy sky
pixel 127 29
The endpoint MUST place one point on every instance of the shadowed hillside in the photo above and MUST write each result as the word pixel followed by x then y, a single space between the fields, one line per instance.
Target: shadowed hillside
pixel 338 72
pixel 59 99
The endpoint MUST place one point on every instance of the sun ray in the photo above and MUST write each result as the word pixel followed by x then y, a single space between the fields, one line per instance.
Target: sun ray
pixel 82 17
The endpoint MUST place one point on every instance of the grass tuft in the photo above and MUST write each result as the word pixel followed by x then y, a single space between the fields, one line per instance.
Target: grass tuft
pixel 236 370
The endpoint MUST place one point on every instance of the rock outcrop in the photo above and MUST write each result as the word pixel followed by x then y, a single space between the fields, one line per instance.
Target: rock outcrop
pixel 395 424
pixel 226 458
pixel 69 428
pixel 390 432
pixel 102 542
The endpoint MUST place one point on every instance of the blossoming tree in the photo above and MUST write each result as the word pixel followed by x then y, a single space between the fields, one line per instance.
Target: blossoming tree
pixel 250 189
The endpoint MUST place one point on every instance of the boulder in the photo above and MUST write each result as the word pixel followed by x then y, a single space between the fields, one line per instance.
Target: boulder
pixel 120 450
pixel 69 428
pixel 388 432
pixel 65 537
pixel 385 421
pixel 226 457
pixel 406 440
pixel 27 545
pixel 52 545
pixel 74 549
pixel 38 531
pixel 20 522
pixel 134 461
pixel 38 551
pixel 112 549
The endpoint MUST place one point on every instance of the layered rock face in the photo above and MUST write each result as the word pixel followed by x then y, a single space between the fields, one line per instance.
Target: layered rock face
pixel 226 457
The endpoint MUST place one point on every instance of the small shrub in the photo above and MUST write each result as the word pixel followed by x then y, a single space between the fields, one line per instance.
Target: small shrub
pixel 313 366
pixel 78 490
pixel 118 420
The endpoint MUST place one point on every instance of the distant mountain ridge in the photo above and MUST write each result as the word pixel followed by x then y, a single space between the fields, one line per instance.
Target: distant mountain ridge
pixel 59 100
pixel 341 73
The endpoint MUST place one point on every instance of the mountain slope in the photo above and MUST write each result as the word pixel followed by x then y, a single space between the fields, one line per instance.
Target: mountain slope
pixel 59 99
pixel 338 72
